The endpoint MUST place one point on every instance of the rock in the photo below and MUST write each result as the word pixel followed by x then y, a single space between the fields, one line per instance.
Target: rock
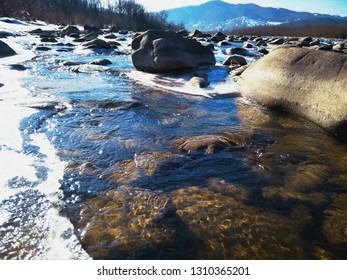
pixel 203 35
pixel 97 44
pixel 194 33
pixel 247 45
pixel 36 31
pixel 6 50
pixel 1 85
pixel 42 48
pixel 315 42
pixel 183 33
pixel 103 62
pixel 305 42
pixel 308 83
pixel 70 29
pixel 240 51
pixel 49 40
pixel 219 36
pixel 235 59
pixel 325 47
pixel 110 36
pixel 224 43
pixel 263 51
pixel 239 70
pixel 158 51
pixel 209 143
pixel 278 41
pixel 261 43
pixel 199 82
pixel 89 29
pixel 5 34
pixel 17 67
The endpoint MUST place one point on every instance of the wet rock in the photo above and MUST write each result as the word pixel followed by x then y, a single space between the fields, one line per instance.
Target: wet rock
pixel 278 41
pixel 208 143
pixel 224 43
pixel 70 29
pixel 302 82
pixel 194 33
pixel 102 61
pixel 235 59
pixel 88 29
pixel 239 70
pixel 42 48
pixel 218 37
pixel 199 82
pixel 128 223
pixel 1 85
pixel 97 44
pixel 89 69
pixel 305 42
pixel 6 50
pixel 49 40
pixel 247 45
pixel 315 42
pixel 183 33
pixel 141 165
pixel 324 48
pixel 220 223
pixel 158 51
pixel 239 51
pixel 5 34
pixel 36 31
pixel 17 67
pixel 261 44
pixel 263 51
pixel 110 36
pixel 334 226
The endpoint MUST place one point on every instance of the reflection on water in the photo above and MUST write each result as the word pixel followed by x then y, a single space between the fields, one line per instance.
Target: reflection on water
pixel 153 174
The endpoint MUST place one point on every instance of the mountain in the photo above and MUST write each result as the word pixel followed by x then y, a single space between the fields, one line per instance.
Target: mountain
pixel 219 15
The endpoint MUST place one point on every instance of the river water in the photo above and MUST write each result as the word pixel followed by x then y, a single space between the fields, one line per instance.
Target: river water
pixel 103 163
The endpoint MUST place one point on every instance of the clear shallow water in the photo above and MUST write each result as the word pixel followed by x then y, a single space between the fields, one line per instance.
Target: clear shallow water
pixel 132 190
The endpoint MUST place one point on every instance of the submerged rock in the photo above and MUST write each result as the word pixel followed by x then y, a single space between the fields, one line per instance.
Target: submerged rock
pixel 6 50
pixel 158 51
pixel 210 143
pixel 308 83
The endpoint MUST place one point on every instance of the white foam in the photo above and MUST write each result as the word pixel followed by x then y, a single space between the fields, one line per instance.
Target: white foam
pixel 227 86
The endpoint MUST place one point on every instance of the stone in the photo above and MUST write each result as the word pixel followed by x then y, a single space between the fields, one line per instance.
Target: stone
pixel 305 41
pixel 235 59
pixel 308 83
pixel 103 62
pixel 247 45
pixel 219 36
pixel 208 143
pixel 97 44
pixel 199 82
pixel 158 51
pixel 42 48
pixel 70 29
pixel 278 41
pixel 6 50
pixel 237 50
pixel 194 33
pixel 5 34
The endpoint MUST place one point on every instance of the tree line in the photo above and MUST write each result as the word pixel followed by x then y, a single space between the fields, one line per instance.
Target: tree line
pixel 323 30
pixel 121 14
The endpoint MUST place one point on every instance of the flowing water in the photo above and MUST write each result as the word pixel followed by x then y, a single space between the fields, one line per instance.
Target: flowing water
pixel 149 173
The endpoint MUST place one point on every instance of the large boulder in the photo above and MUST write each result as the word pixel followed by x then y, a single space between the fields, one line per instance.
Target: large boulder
pixel 159 51
pixel 308 83
pixel 6 50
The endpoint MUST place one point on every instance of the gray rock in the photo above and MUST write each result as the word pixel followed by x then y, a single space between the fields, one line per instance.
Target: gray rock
pixel 235 59
pixel 158 51
pixel 199 82
pixel 278 41
pixel 218 37
pixel 102 61
pixel 6 50
pixel 308 83
pixel 239 51
pixel 97 44
pixel 5 34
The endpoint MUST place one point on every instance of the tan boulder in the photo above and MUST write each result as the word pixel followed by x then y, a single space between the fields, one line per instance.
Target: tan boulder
pixel 309 83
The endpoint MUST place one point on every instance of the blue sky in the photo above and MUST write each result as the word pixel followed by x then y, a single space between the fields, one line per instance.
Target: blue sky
pixel 334 7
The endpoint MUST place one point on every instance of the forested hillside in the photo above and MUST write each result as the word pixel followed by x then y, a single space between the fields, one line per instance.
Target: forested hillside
pixel 122 14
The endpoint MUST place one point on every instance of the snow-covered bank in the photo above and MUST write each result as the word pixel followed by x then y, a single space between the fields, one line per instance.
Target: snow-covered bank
pixel 31 226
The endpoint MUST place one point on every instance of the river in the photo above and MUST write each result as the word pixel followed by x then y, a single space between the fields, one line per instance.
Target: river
pixel 94 164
